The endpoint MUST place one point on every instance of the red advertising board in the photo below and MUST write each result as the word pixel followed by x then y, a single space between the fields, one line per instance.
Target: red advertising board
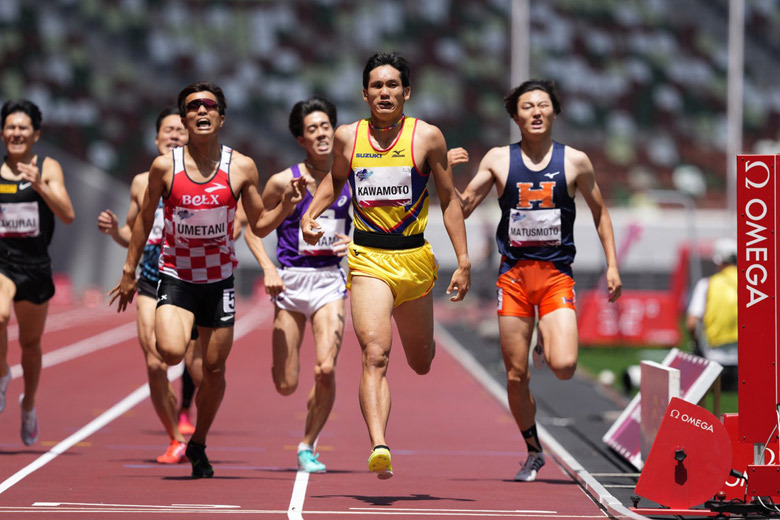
pixel 757 193
pixel 639 318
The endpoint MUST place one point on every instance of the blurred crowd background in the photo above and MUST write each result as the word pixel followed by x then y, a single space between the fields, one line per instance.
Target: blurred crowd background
pixel 642 82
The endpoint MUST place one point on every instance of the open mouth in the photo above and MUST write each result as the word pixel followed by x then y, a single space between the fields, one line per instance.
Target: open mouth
pixel 203 124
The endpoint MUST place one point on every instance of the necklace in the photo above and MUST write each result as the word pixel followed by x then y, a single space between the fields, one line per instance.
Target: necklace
pixel 312 167
pixel 385 129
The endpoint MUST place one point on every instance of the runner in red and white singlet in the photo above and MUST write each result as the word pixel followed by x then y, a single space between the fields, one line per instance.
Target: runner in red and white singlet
pixel 198 244
pixel 200 185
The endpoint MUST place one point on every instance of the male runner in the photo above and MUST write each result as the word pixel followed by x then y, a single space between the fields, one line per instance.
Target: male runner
pixel 200 184
pixel 32 193
pixel 309 284
pixel 536 180
pixel 388 159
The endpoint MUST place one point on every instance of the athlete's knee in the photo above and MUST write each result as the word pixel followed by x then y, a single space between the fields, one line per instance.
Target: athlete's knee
pixel 30 344
pixel 564 370
pixel 325 374
pixel 422 365
pixel 284 384
pixel 170 356
pixel 375 357
pixel 5 317
pixel 155 364
pixel 518 377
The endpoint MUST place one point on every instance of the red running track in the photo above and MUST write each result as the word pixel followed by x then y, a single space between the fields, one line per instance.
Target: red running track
pixel 455 448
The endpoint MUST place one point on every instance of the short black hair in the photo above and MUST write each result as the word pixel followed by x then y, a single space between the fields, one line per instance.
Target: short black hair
pixel 510 100
pixel 167 111
pixel 301 109
pixel 201 86
pixel 21 105
pixel 387 58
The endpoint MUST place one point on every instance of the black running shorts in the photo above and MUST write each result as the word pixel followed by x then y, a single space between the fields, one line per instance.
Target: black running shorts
pixel 213 304
pixel 33 280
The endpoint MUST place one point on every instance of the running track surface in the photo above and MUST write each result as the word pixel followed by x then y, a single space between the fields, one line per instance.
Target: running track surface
pixel 455 447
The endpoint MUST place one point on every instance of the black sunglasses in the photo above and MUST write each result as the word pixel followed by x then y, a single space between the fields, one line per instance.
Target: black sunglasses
pixel 195 104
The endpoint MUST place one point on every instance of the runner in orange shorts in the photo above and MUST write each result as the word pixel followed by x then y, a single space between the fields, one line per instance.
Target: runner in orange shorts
pixel 536 180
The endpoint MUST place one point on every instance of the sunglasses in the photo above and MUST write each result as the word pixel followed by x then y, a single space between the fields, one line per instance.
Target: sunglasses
pixel 195 104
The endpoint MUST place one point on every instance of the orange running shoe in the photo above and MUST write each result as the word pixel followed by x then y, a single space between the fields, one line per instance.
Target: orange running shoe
pixel 174 454
pixel 185 426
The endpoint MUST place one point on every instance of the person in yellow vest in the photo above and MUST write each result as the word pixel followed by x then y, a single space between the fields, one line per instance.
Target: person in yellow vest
pixel 712 311
pixel 388 159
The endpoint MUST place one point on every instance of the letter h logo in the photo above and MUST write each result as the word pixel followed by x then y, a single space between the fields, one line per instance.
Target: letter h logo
pixel 526 194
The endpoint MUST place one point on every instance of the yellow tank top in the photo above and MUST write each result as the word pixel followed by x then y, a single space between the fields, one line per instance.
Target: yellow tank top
pixel 720 315
pixel 390 194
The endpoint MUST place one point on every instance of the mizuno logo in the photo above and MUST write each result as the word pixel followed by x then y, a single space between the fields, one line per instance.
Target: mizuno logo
pixel 162 297
pixel 399 153
pixel 214 187
pixel 23 185
pixel 551 175
pixel 356 252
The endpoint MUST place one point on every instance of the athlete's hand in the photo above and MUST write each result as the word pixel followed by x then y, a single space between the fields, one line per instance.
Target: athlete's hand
pixel 457 156
pixel 614 285
pixel 294 192
pixel 341 246
pixel 125 291
pixel 31 173
pixel 460 282
pixel 273 283
pixel 311 231
pixel 107 222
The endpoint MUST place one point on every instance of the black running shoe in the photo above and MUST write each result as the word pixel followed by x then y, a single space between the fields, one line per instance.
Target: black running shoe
pixel 201 468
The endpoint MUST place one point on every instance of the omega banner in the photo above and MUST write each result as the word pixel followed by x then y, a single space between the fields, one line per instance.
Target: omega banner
pixel 757 195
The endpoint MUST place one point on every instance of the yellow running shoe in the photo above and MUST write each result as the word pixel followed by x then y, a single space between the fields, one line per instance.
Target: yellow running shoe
pixel 379 462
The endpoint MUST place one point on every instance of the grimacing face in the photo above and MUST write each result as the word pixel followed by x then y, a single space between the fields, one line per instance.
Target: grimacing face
pixel 203 120
pixel 385 93
pixel 535 112
pixel 317 136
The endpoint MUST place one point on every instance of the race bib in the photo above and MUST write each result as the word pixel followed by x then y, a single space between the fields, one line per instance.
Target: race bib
pixel 202 224
pixel 331 226
pixel 383 186
pixel 19 219
pixel 155 235
pixel 535 228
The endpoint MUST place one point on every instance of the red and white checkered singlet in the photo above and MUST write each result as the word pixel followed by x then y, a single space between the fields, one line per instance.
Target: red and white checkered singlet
pixel 198 243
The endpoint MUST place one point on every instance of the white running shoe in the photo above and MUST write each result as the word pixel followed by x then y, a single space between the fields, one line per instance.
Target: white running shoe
pixel 538 352
pixel 3 387
pixel 29 425
pixel 531 467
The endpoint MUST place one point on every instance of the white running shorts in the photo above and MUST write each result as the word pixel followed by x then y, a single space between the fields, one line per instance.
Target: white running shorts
pixel 306 289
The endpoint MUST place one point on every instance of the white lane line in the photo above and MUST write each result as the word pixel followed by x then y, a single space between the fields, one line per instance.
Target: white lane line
pixel 115 411
pixel 101 341
pixel 145 506
pixel 518 511
pixel 295 509
pixel 243 326
pixel 572 465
